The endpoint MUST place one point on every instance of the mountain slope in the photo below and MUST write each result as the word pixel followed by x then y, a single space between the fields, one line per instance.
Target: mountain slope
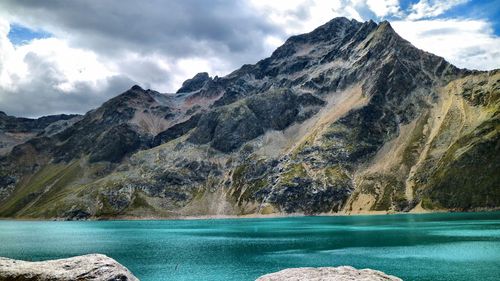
pixel 348 118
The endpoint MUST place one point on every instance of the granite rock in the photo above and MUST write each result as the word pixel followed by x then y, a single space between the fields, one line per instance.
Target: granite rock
pixel 94 267
pixel 341 273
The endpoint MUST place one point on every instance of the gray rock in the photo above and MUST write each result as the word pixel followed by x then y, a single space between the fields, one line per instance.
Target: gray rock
pixel 341 273
pixel 195 83
pixel 87 267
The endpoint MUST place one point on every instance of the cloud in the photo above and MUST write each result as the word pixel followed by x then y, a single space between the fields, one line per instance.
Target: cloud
pixel 299 16
pixel 171 29
pixel 383 8
pixel 46 76
pixel 432 8
pixel 465 43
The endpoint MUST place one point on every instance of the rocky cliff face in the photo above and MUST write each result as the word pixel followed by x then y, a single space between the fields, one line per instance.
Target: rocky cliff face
pixel 348 118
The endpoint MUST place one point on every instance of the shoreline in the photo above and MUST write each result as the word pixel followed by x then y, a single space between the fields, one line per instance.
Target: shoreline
pixel 252 216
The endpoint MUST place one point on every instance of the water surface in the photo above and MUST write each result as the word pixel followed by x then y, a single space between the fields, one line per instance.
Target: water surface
pixel 458 246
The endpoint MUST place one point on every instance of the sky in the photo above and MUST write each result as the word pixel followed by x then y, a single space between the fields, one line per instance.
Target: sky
pixel 61 56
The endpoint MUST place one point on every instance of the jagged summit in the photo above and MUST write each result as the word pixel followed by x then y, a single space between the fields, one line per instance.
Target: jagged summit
pixel 347 118
pixel 137 88
pixel 195 83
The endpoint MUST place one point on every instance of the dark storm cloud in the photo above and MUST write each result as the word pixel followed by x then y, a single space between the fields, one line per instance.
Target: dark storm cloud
pixel 174 28
pixel 39 98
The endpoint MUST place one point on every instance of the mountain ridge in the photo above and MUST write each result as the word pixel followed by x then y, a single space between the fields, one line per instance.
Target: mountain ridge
pixel 347 118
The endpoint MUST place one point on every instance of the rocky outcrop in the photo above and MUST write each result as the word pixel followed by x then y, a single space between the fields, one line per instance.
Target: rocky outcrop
pixel 195 83
pixel 93 267
pixel 341 273
pixel 227 128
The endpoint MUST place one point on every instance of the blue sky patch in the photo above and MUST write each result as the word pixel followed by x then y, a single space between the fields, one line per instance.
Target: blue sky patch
pixel 473 9
pixel 406 4
pixel 20 35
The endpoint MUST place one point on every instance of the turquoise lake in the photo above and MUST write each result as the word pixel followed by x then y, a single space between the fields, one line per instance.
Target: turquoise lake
pixel 454 246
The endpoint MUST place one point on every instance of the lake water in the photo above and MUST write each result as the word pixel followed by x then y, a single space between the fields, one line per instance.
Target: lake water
pixel 458 246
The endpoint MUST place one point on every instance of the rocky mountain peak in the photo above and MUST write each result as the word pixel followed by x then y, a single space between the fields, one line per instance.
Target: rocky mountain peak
pixel 137 88
pixel 195 83
pixel 127 100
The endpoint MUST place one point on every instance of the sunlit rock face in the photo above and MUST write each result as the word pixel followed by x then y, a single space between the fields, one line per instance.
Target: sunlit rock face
pixel 349 118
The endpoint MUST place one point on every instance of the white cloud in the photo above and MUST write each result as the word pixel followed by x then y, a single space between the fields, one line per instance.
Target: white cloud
pixel 465 43
pixel 383 8
pixel 298 16
pixel 6 51
pixel 73 65
pixel 47 76
pixel 432 8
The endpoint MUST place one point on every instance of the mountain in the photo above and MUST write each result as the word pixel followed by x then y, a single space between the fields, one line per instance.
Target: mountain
pixel 349 118
pixel 14 130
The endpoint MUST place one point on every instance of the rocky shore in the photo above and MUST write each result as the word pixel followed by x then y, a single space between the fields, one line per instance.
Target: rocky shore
pixel 97 267
pixel 93 267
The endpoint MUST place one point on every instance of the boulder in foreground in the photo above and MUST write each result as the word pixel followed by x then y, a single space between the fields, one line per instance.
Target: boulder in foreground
pixel 93 267
pixel 341 273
